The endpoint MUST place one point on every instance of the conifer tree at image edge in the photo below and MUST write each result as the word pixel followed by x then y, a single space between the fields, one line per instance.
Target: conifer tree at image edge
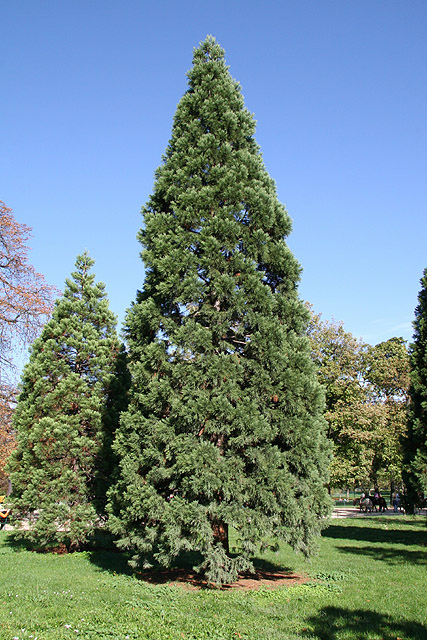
pixel 224 428
pixel 68 409
pixel 415 443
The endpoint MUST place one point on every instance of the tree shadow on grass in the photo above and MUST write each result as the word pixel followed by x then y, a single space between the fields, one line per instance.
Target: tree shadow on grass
pixel 261 564
pixel 111 561
pixel 105 556
pixel 17 542
pixel 266 574
pixel 391 556
pixel 377 534
pixel 182 569
pixel 100 549
pixel 333 623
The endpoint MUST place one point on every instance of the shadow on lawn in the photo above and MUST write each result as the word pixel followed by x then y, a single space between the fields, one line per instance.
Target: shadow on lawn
pixel 376 534
pixel 391 556
pixel 102 552
pixel 182 569
pixel 111 561
pixel 336 622
pixel 104 555
pixel 17 542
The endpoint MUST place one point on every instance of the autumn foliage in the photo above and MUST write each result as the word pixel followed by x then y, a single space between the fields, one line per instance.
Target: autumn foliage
pixel 25 298
pixel 25 302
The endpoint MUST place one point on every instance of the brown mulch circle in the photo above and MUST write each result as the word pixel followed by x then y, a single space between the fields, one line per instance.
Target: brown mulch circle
pixel 59 550
pixel 247 582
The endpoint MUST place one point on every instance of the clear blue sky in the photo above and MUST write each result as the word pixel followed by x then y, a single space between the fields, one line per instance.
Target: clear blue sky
pixel 339 91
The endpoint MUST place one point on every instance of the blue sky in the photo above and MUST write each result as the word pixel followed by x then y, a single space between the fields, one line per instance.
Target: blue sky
pixel 339 91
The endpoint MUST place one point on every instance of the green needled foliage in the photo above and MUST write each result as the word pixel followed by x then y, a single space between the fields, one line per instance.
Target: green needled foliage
pixel 225 424
pixel 415 476
pixel 72 391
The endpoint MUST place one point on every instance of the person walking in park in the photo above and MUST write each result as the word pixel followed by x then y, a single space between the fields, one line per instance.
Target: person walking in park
pixel 396 501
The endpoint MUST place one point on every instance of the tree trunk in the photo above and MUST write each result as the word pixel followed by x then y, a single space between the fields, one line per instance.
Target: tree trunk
pixel 391 491
pixel 220 532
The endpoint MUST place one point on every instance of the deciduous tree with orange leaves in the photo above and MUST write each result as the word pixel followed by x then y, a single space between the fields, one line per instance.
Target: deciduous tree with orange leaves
pixel 25 298
pixel 25 302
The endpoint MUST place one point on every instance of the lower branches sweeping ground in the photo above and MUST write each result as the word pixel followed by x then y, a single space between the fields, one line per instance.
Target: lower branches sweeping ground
pixel 368 581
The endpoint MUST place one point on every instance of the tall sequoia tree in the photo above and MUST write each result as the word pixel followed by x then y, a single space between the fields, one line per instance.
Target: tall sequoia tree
pixel 225 422
pixel 415 476
pixel 66 415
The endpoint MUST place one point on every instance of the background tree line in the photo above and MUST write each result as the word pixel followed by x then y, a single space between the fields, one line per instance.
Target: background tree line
pixel 366 391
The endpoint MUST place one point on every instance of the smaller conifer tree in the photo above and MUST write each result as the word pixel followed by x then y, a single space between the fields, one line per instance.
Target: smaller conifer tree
pixel 415 475
pixel 66 415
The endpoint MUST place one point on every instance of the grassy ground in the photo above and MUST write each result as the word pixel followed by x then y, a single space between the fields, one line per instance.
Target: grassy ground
pixel 368 582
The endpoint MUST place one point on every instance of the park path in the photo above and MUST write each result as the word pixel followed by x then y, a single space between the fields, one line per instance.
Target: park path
pixel 338 512
pixel 354 512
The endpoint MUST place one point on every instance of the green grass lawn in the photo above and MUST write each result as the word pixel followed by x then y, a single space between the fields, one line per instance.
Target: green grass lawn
pixel 369 581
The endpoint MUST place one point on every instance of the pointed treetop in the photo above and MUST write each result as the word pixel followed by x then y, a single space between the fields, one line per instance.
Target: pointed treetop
pixel 209 60
pixel 208 50
pixel 83 264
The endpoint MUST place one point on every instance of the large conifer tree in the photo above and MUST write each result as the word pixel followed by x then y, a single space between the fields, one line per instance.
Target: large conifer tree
pixel 224 426
pixel 66 415
pixel 415 475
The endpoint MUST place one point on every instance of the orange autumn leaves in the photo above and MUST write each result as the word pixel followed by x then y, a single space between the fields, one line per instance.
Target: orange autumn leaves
pixel 25 298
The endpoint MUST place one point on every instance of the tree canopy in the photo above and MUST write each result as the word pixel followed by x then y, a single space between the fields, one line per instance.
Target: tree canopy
pixel 366 391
